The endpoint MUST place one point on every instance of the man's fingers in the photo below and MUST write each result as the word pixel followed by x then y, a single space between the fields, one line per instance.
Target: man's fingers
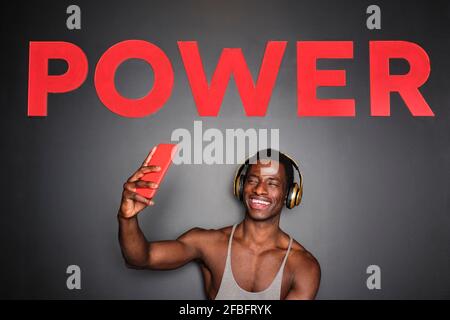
pixel 144 200
pixel 146 184
pixel 137 197
pixel 142 171
pixel 147 169
pixel 147 160
pixel 131 186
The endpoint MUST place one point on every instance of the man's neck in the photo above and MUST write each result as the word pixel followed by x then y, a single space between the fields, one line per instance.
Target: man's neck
pixel 260 233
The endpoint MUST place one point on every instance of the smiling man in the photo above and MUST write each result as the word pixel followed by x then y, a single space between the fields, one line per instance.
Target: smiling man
pixel 251 260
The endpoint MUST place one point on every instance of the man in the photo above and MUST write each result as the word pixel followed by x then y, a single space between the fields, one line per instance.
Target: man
pixel 254 259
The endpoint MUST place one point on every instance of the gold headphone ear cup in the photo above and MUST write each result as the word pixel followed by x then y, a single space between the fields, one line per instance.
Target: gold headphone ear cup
pixel 298 197
pixel 292 196
pixel 289 197
pixel 241 187
pixel 235 187
pixel 238 189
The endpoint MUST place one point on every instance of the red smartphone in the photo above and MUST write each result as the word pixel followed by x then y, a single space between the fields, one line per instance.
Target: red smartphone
pixel 162 157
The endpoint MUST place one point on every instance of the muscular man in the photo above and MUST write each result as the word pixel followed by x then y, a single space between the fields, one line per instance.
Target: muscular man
pixel 253 259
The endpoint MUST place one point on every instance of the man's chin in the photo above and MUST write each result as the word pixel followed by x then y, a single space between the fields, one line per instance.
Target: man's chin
pixel 260 215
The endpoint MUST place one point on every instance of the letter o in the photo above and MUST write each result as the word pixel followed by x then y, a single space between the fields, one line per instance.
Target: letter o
pixel 106 70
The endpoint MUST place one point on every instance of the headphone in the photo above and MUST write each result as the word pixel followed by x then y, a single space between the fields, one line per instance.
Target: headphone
pixel 295 191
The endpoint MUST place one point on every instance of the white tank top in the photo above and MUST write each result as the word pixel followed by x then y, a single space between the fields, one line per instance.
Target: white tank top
pixel 230 290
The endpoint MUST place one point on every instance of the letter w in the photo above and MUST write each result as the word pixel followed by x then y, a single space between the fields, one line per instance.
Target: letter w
pixel 208 98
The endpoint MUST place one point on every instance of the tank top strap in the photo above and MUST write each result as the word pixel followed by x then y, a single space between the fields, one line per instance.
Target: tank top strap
pixel 230 240
pixel 286 256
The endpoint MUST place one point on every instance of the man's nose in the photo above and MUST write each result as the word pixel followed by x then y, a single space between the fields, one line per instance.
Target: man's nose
pixel 261 188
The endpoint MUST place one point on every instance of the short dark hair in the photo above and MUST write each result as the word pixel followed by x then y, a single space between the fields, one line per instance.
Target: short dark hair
pixel 272 154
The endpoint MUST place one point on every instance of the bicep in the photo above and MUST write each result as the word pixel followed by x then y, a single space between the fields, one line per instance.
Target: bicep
pixel 306 282
pixel 171 254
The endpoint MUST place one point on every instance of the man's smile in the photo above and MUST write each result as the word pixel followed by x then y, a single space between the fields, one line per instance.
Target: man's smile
pixel 259 203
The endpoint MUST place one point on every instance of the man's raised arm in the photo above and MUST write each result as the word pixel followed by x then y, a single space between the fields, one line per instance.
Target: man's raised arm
pixel 136 250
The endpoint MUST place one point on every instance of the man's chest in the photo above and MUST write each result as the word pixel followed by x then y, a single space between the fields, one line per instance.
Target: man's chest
pixel 252 271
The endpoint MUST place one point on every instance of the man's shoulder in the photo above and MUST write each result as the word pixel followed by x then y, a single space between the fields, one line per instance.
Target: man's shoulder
pixel 209 235
pixel 301 259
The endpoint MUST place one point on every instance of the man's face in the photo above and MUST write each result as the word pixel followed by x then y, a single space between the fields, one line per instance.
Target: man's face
pixel 264 190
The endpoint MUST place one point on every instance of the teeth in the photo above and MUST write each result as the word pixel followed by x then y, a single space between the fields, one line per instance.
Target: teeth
pixel 260 201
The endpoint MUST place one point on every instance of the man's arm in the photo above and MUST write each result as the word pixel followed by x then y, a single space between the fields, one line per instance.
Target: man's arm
pixel 160 255
pixel 136 250
pixel 306 279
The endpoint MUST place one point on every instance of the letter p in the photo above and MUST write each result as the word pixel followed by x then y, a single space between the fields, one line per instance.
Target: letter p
pixel 40 83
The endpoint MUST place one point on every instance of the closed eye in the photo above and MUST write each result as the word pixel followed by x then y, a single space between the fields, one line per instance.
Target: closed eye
pixel 274 184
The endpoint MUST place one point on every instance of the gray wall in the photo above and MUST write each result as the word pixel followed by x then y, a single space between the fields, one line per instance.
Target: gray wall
pixel 376 189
